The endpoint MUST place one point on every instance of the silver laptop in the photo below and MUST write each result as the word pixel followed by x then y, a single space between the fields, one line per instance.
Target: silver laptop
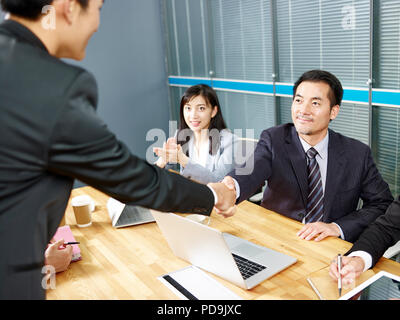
pixel 231 258
pixel 123 215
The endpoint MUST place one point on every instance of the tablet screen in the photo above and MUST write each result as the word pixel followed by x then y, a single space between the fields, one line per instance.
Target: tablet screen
pixel 384 288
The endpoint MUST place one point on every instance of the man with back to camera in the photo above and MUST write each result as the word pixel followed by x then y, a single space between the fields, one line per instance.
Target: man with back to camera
pixel 314 174
pixel 50 135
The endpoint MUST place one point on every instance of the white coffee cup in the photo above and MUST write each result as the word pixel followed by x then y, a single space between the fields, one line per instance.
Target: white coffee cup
pixel 199 218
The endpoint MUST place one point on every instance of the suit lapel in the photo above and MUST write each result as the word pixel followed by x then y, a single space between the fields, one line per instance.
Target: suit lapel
pixel 336 163
pixel 297 158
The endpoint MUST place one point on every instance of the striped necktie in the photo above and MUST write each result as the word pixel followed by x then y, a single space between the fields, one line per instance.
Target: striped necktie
pixel 315 200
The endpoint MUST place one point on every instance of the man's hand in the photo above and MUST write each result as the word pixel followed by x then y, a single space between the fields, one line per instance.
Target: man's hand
pixel 226 199
pixel 58 258
pixel 228 181
pixel 319 231
pixel 352 268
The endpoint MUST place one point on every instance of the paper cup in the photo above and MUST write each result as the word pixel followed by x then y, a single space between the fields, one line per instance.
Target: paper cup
pixel 83 206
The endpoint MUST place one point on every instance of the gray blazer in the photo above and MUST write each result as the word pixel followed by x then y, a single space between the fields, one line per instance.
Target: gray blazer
pixel 218 165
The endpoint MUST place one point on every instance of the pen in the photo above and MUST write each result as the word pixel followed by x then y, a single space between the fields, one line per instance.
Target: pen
pixel 340 276
pixel 315 289
pixel 67 243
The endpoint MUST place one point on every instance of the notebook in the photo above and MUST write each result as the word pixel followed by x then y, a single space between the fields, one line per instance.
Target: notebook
pixel 66 234
pixel 326 288
pixel 191 283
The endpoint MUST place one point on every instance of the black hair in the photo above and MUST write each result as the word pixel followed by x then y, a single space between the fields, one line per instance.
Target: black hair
pixel 217 123
pixel 336 93
pixel 30 9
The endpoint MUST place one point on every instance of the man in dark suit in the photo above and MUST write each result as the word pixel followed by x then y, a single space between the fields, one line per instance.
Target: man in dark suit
pixel 314 174
pixel 383 233
pixel 50 135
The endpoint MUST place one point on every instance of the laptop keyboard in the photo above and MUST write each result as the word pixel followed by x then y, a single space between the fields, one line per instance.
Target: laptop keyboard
pixel 246 267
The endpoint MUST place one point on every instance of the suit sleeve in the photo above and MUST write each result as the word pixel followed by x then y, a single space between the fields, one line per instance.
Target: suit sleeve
pixel 256 170
pixel 380 235
pixel 82 147
pixel 376 197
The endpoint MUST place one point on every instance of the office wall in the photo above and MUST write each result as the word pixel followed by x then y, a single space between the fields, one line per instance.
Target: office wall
pixel 127 58
pixel 252 51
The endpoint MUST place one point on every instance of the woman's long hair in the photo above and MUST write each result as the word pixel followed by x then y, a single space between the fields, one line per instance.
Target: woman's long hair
pixel 217 123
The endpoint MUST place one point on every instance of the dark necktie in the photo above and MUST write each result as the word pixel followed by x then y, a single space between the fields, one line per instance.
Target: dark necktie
pixel 315 200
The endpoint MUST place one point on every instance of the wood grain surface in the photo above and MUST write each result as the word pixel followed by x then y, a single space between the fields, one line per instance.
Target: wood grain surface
pixel 125 263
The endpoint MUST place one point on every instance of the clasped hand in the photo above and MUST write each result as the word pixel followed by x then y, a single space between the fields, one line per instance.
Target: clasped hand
pixel 226 194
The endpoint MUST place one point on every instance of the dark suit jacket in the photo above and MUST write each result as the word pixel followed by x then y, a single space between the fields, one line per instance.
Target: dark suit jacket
pixel 50 135
pixel 381 234
pixel 280 159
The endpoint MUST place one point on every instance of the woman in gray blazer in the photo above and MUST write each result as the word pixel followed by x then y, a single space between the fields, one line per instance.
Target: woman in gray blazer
pixel 203 146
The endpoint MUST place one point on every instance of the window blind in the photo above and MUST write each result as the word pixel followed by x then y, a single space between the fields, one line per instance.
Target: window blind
pixel 387 120
pixel 387 58
pixel 186 28
pixel 323 34
pixel 387 145
pixel 247 111
pixel 242 39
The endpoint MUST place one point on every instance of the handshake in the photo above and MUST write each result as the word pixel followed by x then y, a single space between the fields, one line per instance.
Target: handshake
pixel 226 196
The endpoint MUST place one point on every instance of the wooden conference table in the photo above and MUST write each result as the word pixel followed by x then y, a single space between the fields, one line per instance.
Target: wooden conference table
pixel 125 263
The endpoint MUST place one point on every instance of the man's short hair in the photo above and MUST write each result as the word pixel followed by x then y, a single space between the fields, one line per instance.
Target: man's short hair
pixel 336 93
pixel 30 9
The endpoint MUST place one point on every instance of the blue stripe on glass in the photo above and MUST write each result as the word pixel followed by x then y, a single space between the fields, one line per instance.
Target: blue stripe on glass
pixel 386 97
pixel 285 89
pixel 244 86
pixel 353 95
pixel 188 81
pixel 356 95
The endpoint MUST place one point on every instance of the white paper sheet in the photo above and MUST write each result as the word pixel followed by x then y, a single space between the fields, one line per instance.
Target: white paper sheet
pixel 199 284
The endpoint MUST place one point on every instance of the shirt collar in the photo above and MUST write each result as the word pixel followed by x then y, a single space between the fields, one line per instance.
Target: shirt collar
pixel 22 33
pixel 321 147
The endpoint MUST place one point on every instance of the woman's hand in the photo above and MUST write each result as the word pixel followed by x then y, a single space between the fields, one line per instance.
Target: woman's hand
pixel 161 153
pixel 171 152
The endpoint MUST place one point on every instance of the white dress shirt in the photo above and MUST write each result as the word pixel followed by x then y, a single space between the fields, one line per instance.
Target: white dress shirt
pixel 200 155
pixel 367 258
